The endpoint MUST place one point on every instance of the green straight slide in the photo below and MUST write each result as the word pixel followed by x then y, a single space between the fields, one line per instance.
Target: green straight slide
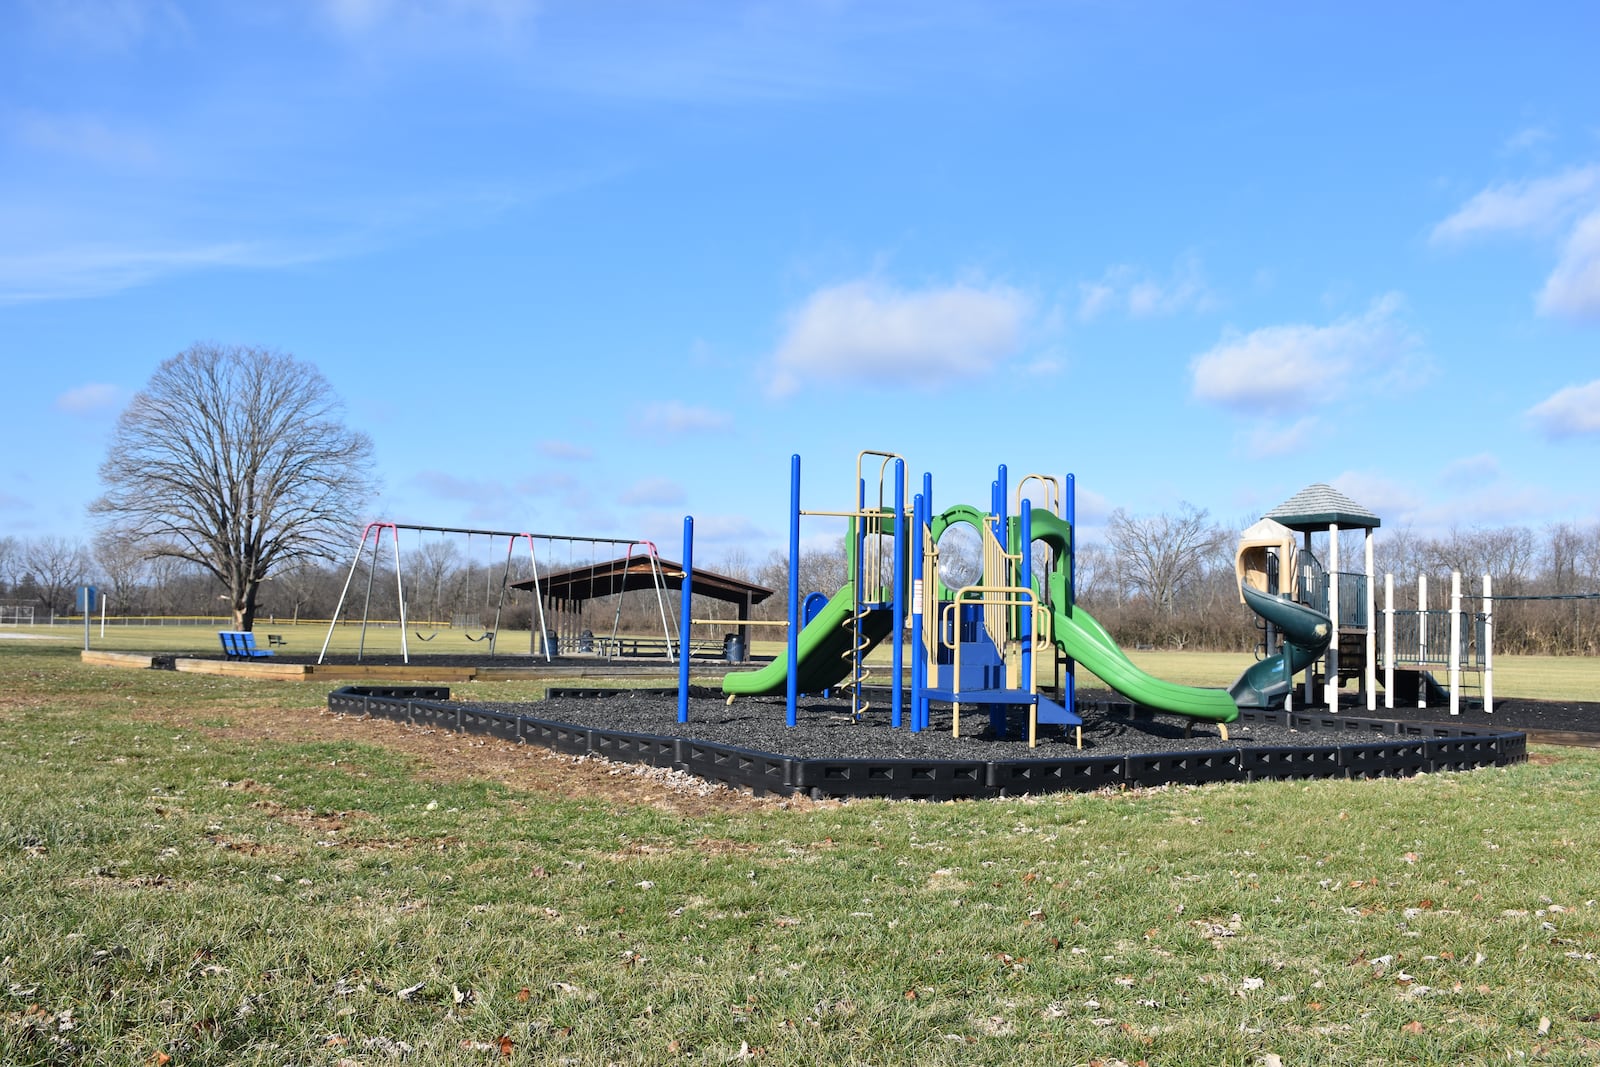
pixel 822 651
pixel 1079 635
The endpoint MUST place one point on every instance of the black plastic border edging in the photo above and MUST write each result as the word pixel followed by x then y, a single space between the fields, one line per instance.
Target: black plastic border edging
pixel 1372 748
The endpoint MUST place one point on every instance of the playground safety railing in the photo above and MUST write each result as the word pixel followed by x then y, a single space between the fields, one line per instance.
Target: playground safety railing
pixel 1422 638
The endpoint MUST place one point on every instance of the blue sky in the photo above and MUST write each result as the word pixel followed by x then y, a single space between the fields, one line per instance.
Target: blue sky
pixel 586 268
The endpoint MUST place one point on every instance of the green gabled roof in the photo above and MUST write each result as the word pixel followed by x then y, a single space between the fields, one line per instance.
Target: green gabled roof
pixel 1318 506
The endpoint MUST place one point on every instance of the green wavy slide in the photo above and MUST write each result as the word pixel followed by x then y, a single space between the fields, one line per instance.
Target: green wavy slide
pixel 1080 635
pixel 822 651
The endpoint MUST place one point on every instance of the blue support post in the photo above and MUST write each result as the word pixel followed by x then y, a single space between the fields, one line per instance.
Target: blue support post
pixel 793 692
pixel 927 519
pixel 1069 685
pixel 897 575
pixel 919 661
pixel 1025 627
pixel 686 596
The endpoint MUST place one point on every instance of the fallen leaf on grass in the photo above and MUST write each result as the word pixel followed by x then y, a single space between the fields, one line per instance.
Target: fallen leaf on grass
pixel 1412 1027
pixel 524 993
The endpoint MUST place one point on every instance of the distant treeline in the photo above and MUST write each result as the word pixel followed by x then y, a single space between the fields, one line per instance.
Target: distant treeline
pixel 1164 581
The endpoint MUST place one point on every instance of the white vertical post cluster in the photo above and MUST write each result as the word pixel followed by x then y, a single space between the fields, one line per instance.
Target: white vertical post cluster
pixel 1486 653
pixel 1370 681
pixel 1388 641
pixel 1422 633
pixel 1455 642
pixel 1333 612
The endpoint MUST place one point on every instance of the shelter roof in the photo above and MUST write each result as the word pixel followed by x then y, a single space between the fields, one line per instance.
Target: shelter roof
pixel 626 574
pixel 1318 506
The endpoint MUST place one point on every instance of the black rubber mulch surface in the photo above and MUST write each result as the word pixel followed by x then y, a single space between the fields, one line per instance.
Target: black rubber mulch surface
pixel 1537 718
pixel 827 729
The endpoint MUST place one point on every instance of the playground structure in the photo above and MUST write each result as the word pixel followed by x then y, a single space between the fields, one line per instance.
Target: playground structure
pixel 971 644
pixel 975 644
pixel 498 583
pixel 1415 641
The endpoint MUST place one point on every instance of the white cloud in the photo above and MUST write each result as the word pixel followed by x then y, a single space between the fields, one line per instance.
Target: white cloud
pixel 1566 205
pixel 1573 288
pixel 1540 205
pixel 1570 412
pixel 1142 296
pixel 675 417
pixel 869 332
pixel 89 399
pixel 1292 367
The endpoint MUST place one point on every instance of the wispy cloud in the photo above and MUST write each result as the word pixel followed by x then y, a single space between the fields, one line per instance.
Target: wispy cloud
pixel 1471 470
pixel 1573 288
pixel 1528 138
pixel 94 270
pixel 91 399
pixel 565 450
pixel 1142 295
pixel 1299 366
pixel 1542 205
pixel 1565 206
pixel 109 25
pixel 654 492
pixel 1275 438
pixel 1570 412
pixel 869 332
pixel 676 417
pixel 85 137
pixel 368 16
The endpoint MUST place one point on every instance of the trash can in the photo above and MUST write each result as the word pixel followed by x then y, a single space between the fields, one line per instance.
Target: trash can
pixel 552 643
pixel 733 648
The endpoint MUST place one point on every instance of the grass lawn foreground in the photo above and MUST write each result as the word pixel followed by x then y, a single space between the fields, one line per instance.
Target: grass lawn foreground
pixel 204 870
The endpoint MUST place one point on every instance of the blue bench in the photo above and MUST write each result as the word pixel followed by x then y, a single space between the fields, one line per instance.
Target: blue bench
pixel 241 644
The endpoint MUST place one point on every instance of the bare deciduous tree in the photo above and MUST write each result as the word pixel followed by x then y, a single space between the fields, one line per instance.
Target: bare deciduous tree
pixel 235 459
pixel 1163 553
pixel 10 556
pixel 58 566
pixel 124 568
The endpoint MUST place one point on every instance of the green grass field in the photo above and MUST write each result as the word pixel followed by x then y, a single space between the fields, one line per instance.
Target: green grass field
pixel 1529 677
pixel 180 885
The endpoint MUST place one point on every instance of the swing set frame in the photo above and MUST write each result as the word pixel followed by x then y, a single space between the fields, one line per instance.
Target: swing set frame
pixel 374 532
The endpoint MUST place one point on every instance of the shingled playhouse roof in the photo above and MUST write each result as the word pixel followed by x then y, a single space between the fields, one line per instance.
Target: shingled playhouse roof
pixel 1318 506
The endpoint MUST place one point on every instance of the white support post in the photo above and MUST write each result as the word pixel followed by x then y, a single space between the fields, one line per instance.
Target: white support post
pixel 1370 682
pixel 1388 641
pixel 1310 695
pixel 1333 612
pixel 1455 642
pixel 1422 638
pixel 1486 653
